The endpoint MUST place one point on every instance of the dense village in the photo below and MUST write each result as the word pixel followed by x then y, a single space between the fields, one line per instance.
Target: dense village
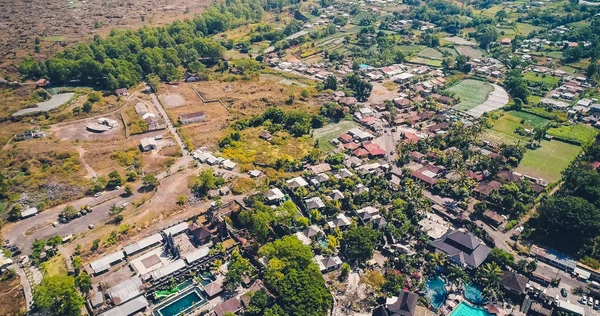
pixel 316 158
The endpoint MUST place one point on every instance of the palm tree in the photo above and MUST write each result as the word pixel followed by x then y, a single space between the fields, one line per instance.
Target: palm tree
pixel 455 275
pixel 437 259
pixel 489 276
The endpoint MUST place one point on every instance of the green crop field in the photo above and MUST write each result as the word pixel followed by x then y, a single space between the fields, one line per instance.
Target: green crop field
pixel 410 48
pixel 430 53
pixel 325 134
pixel 546 80
pixel 425 61
pixel 579 133
pixel 548 161
pixel 471 93
pixel 470 52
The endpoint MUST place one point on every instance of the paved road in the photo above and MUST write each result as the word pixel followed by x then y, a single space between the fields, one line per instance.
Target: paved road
pixel 25 284
pixel 20 233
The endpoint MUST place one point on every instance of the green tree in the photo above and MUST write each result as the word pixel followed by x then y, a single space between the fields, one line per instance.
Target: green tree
pixel 57 295
pixel 114 180
pixel 485 34
pixel 153 82
pixel 69 212
pixel 358 244
pixel 238 267
pixel 150 181
pixel 330 83
pixel 84 283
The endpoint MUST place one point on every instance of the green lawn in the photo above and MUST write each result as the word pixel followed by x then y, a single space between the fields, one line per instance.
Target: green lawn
pixel 56 38
pixel 546 80
pixel 325 134
pixel 530 119
pixel 410 48
pixel 471 93
pixel 579 133
pixel 525 28
pixel 548 161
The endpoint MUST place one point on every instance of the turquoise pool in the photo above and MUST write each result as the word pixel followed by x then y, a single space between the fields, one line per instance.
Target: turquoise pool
pixel 181 304
pixel 206 278
pixel 474 295
pixel 435 292
pixel 464 309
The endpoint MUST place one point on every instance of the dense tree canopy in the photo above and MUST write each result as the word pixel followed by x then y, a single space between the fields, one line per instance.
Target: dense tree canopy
pixel 295 278
pixel 58 296
pixel 358 243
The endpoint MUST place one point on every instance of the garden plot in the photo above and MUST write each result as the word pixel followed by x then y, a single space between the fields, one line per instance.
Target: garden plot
pixel 495 100
pixel 477 97
pixel 459 41
pixel 430 53
pixel 469 51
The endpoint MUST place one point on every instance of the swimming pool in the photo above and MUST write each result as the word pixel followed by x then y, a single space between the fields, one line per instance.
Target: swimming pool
pixel 206 278
pixel 435 291
pixel 465 309
pixel 181 304
pixel 474 295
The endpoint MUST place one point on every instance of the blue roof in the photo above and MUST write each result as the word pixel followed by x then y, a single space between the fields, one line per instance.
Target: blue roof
pixel 363 66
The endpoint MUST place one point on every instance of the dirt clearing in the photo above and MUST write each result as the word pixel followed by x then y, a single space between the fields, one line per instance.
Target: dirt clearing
pixel 173 100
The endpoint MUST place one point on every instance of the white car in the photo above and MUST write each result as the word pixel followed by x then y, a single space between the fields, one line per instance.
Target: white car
pixel 583 299
pixel 91 226
pixel 98 194
pixel 54 224
pixel 590 301
pixel 597 305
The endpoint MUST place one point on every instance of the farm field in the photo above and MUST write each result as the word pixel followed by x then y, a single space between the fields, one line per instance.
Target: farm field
pixel 530 119
pixel 579 133
pixel 459 41
pixel 430 53
pixel 548 161
pixel 325 134
pixel 410 48
pixel 449 50
pixel 470 52
pixel 546 80
pixel 471 93
pixel 425 61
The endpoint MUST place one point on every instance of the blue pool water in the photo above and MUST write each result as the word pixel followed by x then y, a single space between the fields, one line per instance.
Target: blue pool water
pixel 474 294
pixel 184 303
pixel 464 309
pixel 206 278
pixel 435 292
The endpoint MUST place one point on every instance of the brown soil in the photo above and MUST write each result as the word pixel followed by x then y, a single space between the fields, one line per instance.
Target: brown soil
pixel 12 298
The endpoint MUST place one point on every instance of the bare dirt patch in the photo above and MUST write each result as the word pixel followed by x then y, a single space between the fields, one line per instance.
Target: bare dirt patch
pixel 173 100
pixel 12 298
pixel 77 130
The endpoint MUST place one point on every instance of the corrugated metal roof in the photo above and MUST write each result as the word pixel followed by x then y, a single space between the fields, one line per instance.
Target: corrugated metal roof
pixel 142 244
pixel 168 269
pixel 196 254
pixel 128 308
pixel 29 212
pixel 174 230
pixel 126 290
pixel 104 263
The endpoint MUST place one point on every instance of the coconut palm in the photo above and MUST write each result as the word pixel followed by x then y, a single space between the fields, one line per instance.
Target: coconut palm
pixel 489 276
pixel 455 275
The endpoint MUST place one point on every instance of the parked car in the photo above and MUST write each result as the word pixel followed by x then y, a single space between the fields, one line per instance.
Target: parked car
pixel 583 300
pixel 590 301
pixel 98 194
pixel 91 226
pixel 597 305
pixel 563 292
pixel 54 224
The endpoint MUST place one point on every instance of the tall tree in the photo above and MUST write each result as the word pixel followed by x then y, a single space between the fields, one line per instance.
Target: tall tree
pixel 58 296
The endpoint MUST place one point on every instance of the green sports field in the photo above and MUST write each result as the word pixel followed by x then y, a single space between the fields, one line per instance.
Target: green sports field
pixel 471 93
pixel 548 161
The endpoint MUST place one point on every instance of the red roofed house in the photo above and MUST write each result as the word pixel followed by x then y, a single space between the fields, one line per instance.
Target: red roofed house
pixel 345 138
pixel 484 189
pixel 361 152
pixel 374 150
pixel 427 174
pixel 42 82
pixel 595 164
pixel 506 41
pixel 369 120
pixel 573 44
pixel 411 138
pixel 351 146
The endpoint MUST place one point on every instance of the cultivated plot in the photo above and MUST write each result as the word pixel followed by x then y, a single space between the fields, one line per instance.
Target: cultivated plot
pixel 325 134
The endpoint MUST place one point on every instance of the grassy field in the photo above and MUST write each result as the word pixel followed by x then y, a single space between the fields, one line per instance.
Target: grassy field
pixel 430 53
pixel 471 93
pixel 325 134
pixel 425 61
pixel 530 119
pixel 525 28
pixel 580 133
pixel 448 50
pixel 410 48
pixel 546 80
pixel 548 161
pixel 55 266
pixel 253 150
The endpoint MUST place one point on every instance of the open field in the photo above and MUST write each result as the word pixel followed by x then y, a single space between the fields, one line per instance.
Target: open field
pixel 548 161
pixel 546 80
pixel 470 52
pixel 459 41
pixel 531 120
pixel 501 138
pixel 471 93
pixel 425 61
pixel 12 298
pixel 66 22
pixel 325 134
pixel 410 48
pixel 430 53
pixel 253 150
pixel 580 133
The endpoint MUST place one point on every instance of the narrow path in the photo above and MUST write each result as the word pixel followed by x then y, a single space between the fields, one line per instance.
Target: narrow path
pixel 170 126
pixel 25 284
pixel 90 171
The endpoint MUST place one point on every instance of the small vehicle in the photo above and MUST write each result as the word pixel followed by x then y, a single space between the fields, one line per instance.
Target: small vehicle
pixel 590 301
pixel 98 194
pixel 563 292
pixel 583 300
pixel 159 137
pixel 597 305
pixel 83 212
pixel 54 224
pixel 91 226
pixel 118 187
pixel 391 152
